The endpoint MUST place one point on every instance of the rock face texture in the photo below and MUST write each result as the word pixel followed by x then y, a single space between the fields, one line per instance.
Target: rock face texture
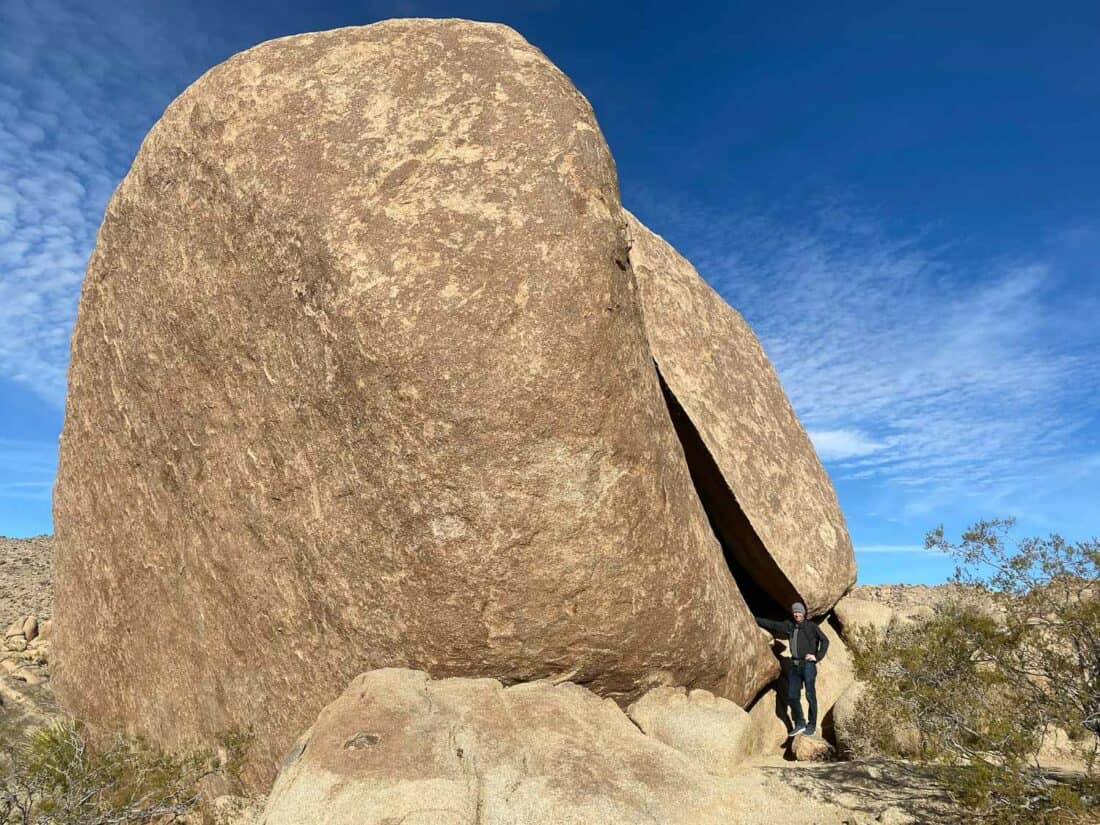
pixel 360 367
pixel 769 499
pixel 845 724
pixel 397 747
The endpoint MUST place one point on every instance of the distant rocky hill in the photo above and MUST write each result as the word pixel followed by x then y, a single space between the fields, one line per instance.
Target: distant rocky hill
pixel 25 578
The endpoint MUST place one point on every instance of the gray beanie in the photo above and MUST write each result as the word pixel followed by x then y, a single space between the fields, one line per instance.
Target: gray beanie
pixel 798 607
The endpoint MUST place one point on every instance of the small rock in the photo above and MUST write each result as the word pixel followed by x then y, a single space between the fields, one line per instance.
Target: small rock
pixel 14 629
pixel 30 627
pixel 45 630
pixel 16 643
pixel 895 816
pixel 25 674
pixel 811 749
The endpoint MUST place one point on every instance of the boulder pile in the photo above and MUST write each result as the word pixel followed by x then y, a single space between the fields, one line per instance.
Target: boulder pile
pixel 386 377
pixel 25 653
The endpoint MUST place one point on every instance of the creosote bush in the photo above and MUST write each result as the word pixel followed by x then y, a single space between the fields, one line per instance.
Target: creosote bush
pixel 55 778
pixel 1007 663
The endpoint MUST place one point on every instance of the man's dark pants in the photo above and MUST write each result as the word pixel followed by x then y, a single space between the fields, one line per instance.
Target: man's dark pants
pixel 802 673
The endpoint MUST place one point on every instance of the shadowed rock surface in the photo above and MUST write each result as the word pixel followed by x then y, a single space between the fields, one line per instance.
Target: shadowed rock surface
pixel 768 497
pixel 360 368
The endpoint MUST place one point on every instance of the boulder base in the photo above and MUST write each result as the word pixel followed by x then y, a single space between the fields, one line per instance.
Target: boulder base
pixel 812 749
pixel 399 747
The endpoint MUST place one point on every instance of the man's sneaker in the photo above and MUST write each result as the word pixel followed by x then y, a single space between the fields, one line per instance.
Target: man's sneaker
pixel 797 729
pixel 811 730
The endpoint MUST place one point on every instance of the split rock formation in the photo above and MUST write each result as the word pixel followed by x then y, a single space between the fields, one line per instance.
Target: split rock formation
pixel 360 379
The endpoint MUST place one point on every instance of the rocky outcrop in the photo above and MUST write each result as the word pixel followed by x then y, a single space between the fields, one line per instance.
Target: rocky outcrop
pixel 711 730
pixel 853 613
pixel 25 651
pixel 26 698
pixel 25 578
pixel 398 747
pixel 361 346
pixel 768 497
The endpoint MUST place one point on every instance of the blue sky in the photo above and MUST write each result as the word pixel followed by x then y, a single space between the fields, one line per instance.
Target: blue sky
pixel 903 201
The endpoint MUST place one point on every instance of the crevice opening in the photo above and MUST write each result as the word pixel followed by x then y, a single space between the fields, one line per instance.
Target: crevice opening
pixel 763 585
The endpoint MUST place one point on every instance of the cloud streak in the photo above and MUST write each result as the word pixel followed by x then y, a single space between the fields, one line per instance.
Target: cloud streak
pixel 27 469
pixel 838 445
pixel 899 549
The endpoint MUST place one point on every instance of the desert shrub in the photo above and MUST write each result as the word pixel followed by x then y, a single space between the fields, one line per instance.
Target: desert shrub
pixel 975 689
pixel 54 778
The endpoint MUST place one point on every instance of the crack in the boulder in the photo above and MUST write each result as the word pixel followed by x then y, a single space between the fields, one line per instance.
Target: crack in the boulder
pixel 763 585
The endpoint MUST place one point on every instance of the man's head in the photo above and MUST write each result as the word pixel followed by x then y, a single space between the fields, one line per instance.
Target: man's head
pixel 798 610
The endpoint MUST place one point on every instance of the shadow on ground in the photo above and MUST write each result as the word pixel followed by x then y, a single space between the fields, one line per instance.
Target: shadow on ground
pixel 872 787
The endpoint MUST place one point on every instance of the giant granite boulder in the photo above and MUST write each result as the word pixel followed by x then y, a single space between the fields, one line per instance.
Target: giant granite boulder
pixel 770 500
pixel 360 379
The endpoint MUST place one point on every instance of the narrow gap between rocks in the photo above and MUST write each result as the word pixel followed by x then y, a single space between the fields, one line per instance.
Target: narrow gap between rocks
pixel 765 589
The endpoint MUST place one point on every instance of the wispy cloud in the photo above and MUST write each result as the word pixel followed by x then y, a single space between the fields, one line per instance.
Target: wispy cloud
pixel 837 445
pixel 902 549
pixel 80 83
pixel 27 469
pixel 907 366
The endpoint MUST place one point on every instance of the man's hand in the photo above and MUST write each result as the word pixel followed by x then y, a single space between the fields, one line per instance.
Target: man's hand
pixel 810 657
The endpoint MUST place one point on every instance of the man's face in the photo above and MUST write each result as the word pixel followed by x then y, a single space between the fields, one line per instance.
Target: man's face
pixel 798 617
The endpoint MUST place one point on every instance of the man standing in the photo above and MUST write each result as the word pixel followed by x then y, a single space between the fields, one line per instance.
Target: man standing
pixel 807 646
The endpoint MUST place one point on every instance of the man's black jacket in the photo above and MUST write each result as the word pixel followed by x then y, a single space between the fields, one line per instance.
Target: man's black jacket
pixel 802 637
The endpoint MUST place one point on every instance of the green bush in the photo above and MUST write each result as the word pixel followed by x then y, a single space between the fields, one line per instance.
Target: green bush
pixel 975 689
pixel 55 778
